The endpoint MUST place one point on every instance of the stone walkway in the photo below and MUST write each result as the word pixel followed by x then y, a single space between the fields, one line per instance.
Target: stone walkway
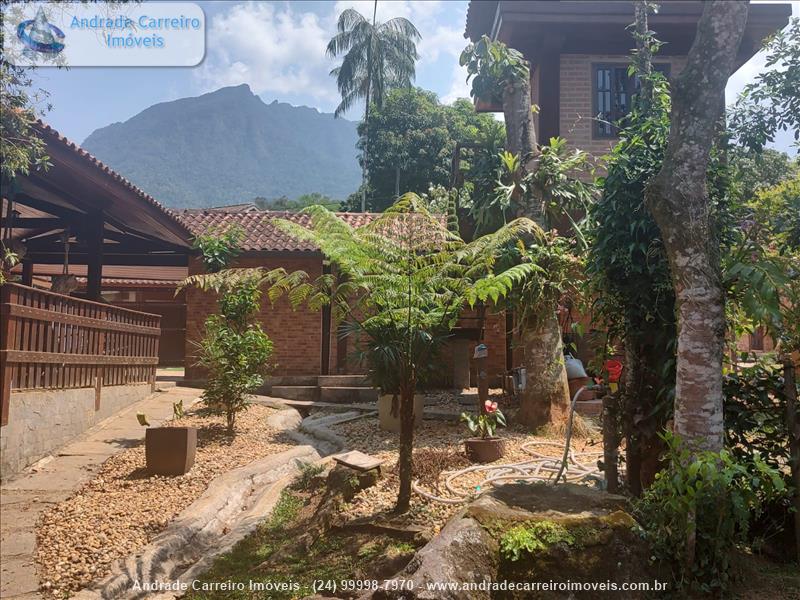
pixel 54 478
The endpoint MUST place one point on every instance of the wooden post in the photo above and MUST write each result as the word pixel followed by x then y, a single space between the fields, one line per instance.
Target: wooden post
pixel 94 269
pixel 325 357
pixel 154 372
pixel 793 425
pixel 481 363
pixel 27 272
pixel 7 335
pixel 610 443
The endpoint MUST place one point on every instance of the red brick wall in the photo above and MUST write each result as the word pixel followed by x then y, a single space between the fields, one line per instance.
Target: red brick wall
pixel 495 340
pixel 296 334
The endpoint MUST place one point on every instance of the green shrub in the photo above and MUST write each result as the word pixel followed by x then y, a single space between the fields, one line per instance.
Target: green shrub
pixel 755 424
pixel 699 508
pixel 235 351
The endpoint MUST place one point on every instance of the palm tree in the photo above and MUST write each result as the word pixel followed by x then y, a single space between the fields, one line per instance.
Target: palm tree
pixel 377 58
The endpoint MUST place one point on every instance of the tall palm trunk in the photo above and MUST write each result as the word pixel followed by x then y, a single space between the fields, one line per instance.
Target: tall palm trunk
pixel 546 395
pixel 365 170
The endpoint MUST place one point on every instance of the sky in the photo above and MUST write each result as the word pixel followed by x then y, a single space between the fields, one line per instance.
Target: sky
pixel 278 48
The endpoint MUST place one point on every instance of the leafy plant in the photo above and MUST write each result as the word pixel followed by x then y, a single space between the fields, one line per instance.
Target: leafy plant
pixel 235 350
pixel 530 539
pixel 493 66
pixel 756 426
pixel 308 472
pixel 218 247
pixel 699 507
pixel 555 184
pixel 8 260
pixel 486 422
pixel 771 103
pixel 402 282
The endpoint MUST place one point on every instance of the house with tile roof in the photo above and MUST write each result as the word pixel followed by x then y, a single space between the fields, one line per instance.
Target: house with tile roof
pixel 306 343
pixel 579 53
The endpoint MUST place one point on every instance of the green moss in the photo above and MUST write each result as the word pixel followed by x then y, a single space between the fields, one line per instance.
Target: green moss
pixel 530 538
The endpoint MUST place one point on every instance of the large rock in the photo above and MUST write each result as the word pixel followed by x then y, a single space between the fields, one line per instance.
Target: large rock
pixel 535 537
pixel 464 551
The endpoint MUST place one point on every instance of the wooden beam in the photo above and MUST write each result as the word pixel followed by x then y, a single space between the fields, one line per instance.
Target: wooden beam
pixel 42 314
pixel 549 88
pixel 38 223
pixel 64 358
pixel 94 242
pixel 49 207
pixel 138 260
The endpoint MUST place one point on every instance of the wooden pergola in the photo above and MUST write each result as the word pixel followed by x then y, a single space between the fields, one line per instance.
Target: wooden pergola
pixel 81 211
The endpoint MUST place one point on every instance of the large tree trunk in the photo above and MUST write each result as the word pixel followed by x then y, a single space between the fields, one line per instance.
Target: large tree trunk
pixel 546 395
pixel 678 198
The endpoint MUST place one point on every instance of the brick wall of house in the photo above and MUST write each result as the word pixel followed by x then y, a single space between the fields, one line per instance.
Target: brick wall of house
pixel 296 334
pixel 576 110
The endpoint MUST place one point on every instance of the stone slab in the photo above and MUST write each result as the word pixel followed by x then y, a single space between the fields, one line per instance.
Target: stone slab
pixel 358 460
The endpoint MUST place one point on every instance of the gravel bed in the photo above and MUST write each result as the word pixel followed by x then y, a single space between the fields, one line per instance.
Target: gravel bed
pixel 123 508
pixel 448 400
pixel 378 501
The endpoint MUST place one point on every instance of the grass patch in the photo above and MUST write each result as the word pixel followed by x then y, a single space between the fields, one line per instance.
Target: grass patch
pixel 274 563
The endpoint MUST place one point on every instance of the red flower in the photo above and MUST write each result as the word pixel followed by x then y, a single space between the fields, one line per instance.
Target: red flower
pixel 490 406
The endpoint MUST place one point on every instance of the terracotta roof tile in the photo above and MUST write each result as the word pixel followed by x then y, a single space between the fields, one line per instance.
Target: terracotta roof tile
pixel 260 233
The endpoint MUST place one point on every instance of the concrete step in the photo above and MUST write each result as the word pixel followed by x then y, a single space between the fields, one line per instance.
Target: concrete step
pixel 589 408
pixel 341 380
pixel 348 394
pixel 296 392
pixel 165 385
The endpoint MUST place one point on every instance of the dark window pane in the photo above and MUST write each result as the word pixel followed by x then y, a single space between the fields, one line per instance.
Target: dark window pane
pixel 614 92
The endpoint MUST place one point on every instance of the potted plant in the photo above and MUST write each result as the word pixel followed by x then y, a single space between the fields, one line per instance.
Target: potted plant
pixel 169 450
pixel 389 411
pixel 486 447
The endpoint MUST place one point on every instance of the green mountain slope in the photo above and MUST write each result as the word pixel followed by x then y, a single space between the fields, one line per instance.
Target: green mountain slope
pixel 229 146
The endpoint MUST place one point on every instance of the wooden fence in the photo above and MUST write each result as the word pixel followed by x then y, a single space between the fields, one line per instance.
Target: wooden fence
pixel 51 341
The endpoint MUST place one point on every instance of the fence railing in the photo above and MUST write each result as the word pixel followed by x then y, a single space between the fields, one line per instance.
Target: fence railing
pixel 51 341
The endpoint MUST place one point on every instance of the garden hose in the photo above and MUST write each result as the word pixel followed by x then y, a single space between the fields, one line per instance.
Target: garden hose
pixel 575 467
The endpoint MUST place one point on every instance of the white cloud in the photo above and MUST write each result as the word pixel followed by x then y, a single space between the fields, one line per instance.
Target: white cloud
pixel 459 88
pixel 279 49
pixel 273 49
pixel 442 41
pixel 422 13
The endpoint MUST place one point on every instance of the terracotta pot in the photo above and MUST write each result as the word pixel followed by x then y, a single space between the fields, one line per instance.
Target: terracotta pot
pixel 485 450
pixel 170 450
pixel 390 422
